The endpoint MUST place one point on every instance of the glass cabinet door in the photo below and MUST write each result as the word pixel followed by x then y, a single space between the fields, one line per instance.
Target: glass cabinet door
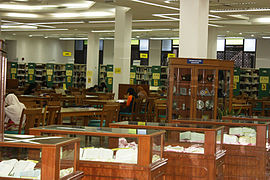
pixel 182 106
pixel 224 91
pixel 205 94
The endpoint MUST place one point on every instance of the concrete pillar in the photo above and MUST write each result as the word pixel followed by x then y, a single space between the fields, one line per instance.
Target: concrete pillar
pixel 212 43
pixel 193 28
pixel 108 51
pixel 155 53
pixel 92 60
pixel 122 47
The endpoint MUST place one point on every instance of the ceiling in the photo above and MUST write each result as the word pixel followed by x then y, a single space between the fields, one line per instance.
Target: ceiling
pixel 151 18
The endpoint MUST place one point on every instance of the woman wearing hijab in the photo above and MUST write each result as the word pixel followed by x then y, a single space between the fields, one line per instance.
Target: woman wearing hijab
pixel 13 109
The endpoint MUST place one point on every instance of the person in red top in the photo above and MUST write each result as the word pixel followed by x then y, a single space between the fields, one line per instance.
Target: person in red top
pixel 130 100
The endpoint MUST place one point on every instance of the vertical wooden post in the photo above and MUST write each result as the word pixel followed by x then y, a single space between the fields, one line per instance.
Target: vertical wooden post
pixel 3 67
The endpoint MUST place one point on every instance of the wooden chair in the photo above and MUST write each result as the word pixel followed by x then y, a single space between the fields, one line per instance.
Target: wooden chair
pixel 160 110
pixel 109 114
pixel 30 104
pixel 150 110
pixel 79 100
pixel 54 103
pixel 135 110
pixel 30 118
pixel 51 115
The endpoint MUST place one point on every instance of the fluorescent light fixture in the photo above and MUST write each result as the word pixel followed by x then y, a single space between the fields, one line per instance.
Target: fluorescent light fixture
pixel 86 4
pixel 84 14
pixel 167 16
pixel 263 20
pixel 96 14
pixel 97 22
pixel 266 37
pixel 163 38
pixel 214 16
pixel 18 27
pixel 25 7
pixel 46 37
pixel 154 4
pixel 68 22
pixel 34 29
pixel 135 21
pixel 22 15
pixel 240 10
pixel 152 20
pixel 214 25
pixel 65 15
pixel 103 31
pixel 73 38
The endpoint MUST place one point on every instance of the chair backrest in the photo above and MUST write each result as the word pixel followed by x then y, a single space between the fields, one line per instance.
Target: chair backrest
pixel 30 118
pixel 79 99
pixel 51 115
pixel 110 113
pixel 55 97
pixel 30 104
pixel 54 103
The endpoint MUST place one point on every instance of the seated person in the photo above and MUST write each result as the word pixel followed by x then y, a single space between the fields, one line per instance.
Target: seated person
pixel 141 93
pixel 131 95
pixel 30 89
pixel 102 87
pixel 92 89
pixel 13 111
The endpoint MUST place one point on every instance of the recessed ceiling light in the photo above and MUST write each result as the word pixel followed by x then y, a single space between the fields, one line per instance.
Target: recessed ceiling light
pixel 252 35
pixel 30 35
pixel 46 37
pixel 227 31
pixel 14 34
pixel 240 33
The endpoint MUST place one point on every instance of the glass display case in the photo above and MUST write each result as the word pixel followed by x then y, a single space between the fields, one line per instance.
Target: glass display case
pixel 198 86
pixel 193 151
pixel 247 146
pixel 115 153
pixel 36 157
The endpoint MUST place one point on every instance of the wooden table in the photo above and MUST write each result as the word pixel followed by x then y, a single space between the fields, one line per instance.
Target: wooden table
pixel 103 101
pixel 76 112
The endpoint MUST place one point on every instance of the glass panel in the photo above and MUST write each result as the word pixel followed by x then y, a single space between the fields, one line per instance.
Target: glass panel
pixel 181 93
pixel 156 148
pixel 20 162
pixel 185 141
pixel 223 92
pixel 103 130
pixel 218 139
pixel 240 135
pixel 67 160
pixel 206 94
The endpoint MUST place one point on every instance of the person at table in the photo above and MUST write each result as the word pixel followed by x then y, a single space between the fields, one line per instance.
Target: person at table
pixel 131 95
pixel 31 88
pixel 102 87
pixel 141 93
pixel 93 89
pixel 13 111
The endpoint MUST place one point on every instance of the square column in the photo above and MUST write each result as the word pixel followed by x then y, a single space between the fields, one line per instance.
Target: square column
pixel 92 60
pixel 122 47
pixel 193 31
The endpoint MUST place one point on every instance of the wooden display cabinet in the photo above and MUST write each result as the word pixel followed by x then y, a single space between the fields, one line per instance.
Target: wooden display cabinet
pixel 51 154
pixel 186 165
pixel 149 164
pixel 198 86
pixel 242 161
